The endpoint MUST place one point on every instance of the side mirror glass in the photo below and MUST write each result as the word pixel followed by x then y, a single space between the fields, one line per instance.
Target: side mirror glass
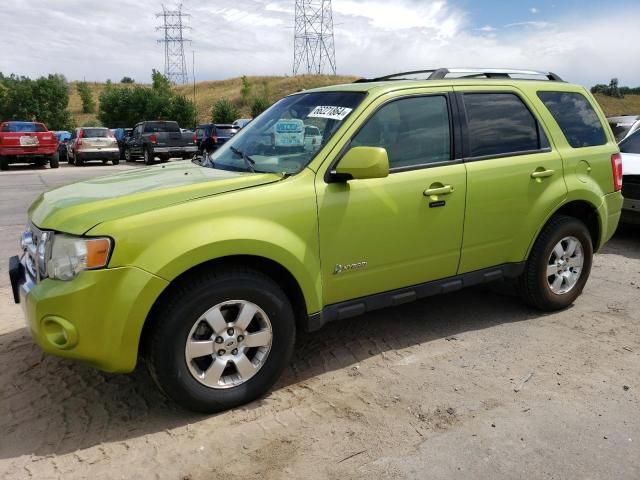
pixel 361 163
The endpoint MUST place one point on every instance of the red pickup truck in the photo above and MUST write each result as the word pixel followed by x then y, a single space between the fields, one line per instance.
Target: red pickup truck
pixel 27 142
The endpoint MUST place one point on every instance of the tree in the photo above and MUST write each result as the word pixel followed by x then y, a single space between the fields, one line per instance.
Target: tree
pixel 45 99
pixel 614 90
pixel 126 106
pixel 127 80
pixel 223 111
pixel 88 105
pixel 245 91
pixel 259 105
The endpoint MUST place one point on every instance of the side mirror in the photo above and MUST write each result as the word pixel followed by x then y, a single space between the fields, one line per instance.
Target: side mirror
pixel 361 163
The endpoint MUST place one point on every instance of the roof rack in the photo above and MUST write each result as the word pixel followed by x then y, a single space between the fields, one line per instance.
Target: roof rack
pixel 457 73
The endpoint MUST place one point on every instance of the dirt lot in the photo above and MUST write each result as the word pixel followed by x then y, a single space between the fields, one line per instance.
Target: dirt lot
pixel 468 385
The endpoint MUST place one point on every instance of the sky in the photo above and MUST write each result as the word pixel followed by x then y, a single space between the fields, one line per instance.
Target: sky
pixel 584 41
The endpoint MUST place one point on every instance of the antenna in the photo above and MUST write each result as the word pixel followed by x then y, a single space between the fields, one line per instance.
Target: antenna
pixel 313 47
pixel 175 66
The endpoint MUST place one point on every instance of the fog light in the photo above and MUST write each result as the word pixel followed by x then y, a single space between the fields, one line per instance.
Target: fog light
pixel 59 332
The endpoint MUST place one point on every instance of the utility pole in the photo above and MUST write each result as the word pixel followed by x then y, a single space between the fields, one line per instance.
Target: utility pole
pixel 313 46
pixel 175 65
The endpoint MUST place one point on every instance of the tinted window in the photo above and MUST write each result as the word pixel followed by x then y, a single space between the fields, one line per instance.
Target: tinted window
pixel 225 131
pixel 576 118
pixel 500 123
pixel 414 131
pixel 156 127
pixel 23 127
pixel 95 132
pixel 631 144
pixel 621 128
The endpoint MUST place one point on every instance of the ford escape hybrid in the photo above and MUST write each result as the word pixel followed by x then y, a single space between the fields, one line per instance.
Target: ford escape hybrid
pixel 418 184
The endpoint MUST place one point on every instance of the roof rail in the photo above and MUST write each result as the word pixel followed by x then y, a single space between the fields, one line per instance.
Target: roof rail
pixel 443 73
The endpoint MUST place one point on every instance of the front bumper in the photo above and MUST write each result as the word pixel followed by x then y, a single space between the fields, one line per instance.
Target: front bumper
pixel 97 318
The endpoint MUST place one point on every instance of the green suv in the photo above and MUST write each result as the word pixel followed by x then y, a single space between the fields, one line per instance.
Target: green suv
pixel 415 184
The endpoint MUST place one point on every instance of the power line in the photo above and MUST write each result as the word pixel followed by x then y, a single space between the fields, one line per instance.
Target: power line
pixel 313 46
pixel 175 65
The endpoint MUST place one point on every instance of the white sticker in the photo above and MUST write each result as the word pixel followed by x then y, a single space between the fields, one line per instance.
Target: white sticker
pixel 332 113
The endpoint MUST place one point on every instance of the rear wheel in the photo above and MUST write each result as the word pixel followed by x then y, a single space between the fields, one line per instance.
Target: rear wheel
pixel 221 340
pixel 78 161
pixel 54 161
pixel 115 161
pixel 559 265
pixel 4 163
pixel 148 158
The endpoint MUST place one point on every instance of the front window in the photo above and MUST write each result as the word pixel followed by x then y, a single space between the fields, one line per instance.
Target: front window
pixel 279 140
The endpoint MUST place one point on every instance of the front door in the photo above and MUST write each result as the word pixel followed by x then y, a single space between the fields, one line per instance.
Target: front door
pixel 381 234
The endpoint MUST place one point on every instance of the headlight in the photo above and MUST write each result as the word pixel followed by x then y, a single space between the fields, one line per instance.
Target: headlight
pixel 70 255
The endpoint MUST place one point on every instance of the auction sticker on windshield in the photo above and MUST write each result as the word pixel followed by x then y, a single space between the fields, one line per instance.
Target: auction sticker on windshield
pixel 332 113
pixel 289 133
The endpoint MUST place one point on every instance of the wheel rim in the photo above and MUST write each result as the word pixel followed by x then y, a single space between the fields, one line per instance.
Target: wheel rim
pixel 228 344
pixel 146 156
pixel 564 267
pixel 127 155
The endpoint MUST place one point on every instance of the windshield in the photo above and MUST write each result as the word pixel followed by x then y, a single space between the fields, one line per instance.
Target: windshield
pixel 277 141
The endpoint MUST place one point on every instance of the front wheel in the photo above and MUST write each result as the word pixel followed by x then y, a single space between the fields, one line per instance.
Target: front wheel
pixel 559 265
pixel 221 340
pixel 127 155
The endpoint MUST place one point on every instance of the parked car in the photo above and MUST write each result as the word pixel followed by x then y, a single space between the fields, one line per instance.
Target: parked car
pixel 630 151
pixel 420 187
pixel 92 143
pixel 241 122
pixel 210 136
pixel 62 137
pixel 122 136
pixel 159 139
pixel 312 137
pixel 27 142
pixel 624 126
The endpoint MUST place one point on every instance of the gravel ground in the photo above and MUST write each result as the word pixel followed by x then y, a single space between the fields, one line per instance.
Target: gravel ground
pixel 468 385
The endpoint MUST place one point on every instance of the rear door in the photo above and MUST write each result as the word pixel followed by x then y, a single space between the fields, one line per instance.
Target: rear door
pixel 514 176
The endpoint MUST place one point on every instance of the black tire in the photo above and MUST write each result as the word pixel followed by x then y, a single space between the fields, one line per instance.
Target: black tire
pixel 71 160
pixel 4 163
pixel 127 155
pixel 79 162
pixel 533 284
pixel 115 161
pixel 166 341
pixel 41 162
pixel 148 157
pixel 54 161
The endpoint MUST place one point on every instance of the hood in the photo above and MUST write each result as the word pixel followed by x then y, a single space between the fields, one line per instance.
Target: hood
pixel 78 207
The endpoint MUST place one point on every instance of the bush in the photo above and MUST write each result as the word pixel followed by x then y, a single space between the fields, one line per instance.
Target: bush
pixel 127 80
pixel 88 105
pixel 223 111
pixel 44 99
pixel 245 91
pixel 124 107
pixel 259 105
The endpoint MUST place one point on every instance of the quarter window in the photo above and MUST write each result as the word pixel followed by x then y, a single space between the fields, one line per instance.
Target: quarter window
pixel 414 131
pixel 631 144
pixel 499 124
pixel 576 118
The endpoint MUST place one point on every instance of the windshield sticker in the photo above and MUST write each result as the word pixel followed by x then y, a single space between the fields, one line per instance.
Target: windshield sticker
pixel 332 113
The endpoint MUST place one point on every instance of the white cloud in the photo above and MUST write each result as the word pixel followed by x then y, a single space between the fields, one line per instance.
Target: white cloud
pixel 534 10
pixel 112 39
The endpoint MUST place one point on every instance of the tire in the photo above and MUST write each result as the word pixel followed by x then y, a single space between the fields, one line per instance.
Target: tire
pixel 127 155
pixel 54 161
pixel 116 161
pixel 552 279
pixel 148 157
pixel 79 162
pixel 179 319
pixel 4 163
pixel 41 162
pixel 71 160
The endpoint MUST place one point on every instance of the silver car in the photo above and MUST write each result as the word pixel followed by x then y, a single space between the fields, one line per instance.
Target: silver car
pixel 93 143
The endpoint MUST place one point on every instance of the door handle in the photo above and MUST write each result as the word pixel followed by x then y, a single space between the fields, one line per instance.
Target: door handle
pixel 542 173
pixel 444 190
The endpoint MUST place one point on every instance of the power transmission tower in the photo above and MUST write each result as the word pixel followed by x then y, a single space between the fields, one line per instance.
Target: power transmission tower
pixel 313 47
pixel 175 65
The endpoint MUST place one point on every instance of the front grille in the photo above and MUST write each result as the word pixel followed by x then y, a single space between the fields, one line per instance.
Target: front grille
pixel 631 187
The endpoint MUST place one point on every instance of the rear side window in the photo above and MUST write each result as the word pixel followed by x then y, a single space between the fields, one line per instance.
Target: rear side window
pixel 414 131
pixel 499 124
pixel 631 144
pixel 576 117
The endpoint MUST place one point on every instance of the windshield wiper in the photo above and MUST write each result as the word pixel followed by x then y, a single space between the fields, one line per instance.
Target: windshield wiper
pixel 248 161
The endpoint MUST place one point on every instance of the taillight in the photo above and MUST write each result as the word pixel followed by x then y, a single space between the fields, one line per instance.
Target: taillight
pixel 79 140
pixel 616 167
pixel 153 138
pixel 214 138
pixel 195 138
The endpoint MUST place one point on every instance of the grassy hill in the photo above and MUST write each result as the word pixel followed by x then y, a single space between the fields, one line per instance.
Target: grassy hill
pixel 277 87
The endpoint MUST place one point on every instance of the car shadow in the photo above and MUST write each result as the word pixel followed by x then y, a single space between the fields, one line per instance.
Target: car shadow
pixel 55 406
pixel 626 242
